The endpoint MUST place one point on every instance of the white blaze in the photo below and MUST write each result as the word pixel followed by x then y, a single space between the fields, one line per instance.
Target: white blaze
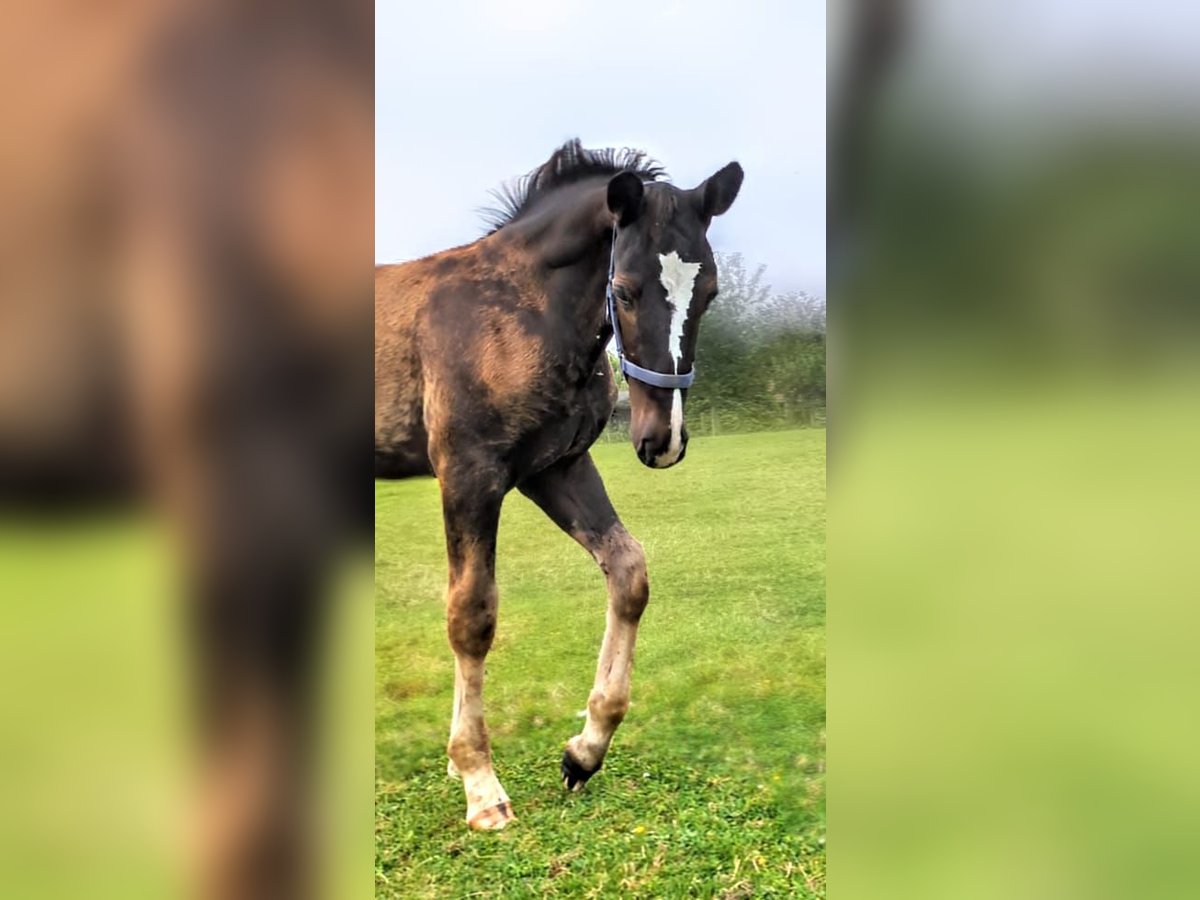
pixel 678 278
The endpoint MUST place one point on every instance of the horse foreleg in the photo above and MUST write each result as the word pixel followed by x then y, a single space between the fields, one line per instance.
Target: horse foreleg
pixel 471 604
pixel 624 564
pixel 573 496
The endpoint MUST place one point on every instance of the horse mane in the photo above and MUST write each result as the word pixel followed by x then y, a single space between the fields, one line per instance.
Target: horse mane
pixel 568 164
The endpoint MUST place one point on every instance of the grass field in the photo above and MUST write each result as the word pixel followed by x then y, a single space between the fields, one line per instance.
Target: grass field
pixel 714 785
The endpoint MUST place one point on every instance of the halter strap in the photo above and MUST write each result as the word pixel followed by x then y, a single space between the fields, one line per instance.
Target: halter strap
pixel 669 381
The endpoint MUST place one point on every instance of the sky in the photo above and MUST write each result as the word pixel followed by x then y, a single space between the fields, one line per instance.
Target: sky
pixel 470 93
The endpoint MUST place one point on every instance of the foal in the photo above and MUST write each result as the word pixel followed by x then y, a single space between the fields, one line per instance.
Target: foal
pixel 491 373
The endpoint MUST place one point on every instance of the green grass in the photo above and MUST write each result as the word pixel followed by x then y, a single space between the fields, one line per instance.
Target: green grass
pixel 714 785
pixel 96 759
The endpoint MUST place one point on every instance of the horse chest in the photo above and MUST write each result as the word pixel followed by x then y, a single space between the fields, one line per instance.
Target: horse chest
pixel 570 418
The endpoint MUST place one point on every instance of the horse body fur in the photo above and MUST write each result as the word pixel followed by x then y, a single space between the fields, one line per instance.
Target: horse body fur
pixel 470 360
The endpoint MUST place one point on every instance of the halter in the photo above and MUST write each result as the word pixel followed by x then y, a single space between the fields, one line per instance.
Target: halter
pixel 633 370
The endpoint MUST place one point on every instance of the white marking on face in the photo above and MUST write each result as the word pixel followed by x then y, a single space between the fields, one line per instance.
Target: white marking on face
pixel 678 279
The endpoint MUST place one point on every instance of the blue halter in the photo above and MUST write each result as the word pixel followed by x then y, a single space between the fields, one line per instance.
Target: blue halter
pixel 633 370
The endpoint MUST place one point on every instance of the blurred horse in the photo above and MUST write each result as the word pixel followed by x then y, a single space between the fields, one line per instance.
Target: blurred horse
pixel 185 247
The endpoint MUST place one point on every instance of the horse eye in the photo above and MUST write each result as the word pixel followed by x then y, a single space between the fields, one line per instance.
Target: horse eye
pixel 623 297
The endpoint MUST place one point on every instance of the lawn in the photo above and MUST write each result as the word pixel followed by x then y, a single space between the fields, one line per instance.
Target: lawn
pixel 714 785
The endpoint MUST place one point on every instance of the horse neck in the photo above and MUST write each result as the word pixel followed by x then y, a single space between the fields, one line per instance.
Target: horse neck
pixel 568 245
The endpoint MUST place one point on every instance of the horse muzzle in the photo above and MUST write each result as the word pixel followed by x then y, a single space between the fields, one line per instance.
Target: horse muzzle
pixel 661 451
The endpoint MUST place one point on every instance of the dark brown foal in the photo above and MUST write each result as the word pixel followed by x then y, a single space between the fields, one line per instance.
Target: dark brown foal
pixel 491 373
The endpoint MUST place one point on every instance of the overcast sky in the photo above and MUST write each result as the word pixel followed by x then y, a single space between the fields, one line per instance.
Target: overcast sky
pixel 470 93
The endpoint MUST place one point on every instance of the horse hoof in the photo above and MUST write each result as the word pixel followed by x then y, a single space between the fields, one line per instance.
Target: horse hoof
pixel 574 775
pixel 493 818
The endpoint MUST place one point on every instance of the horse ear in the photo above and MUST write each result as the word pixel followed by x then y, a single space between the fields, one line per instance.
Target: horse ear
pixel 625 194
pixel 718 192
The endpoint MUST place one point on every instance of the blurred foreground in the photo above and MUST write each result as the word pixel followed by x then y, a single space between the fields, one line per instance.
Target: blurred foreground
pixel 1015 429
pixel 184 383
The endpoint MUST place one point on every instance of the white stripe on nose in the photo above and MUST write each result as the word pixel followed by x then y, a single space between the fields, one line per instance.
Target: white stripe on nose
pixel 678 279
pixel 671 455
